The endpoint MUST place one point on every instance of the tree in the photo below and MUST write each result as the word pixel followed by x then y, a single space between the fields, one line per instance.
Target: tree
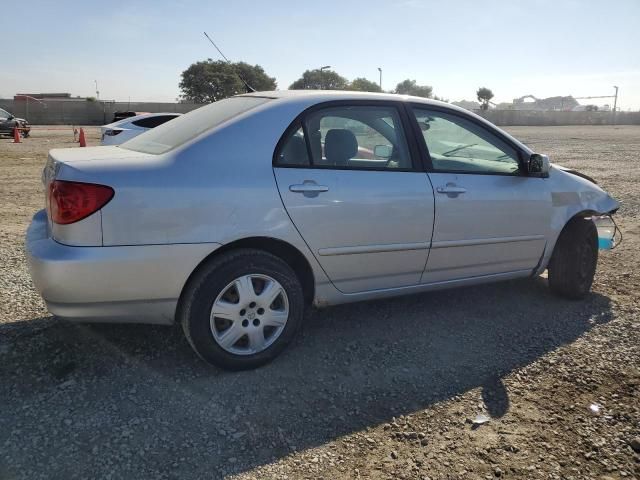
pixel 410 87
pixel 484 95
pixel 364 85
pixel 320 80
pixel 256 77
pixel 209 81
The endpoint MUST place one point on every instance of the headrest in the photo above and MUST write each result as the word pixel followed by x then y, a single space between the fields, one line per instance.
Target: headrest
pixel 340 145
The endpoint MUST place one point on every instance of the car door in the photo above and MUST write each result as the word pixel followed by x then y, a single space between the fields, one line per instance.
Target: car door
pixel 4 120
pixel 490 217
pixel 349 180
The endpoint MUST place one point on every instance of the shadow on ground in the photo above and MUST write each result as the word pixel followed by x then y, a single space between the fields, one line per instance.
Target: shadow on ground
pixel 136 400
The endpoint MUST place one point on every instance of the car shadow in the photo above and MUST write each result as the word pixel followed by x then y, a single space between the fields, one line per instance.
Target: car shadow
pixel 141 389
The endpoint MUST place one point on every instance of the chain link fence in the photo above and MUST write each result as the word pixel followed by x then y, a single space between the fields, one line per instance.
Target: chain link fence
pixel 86 112
pixel 83 112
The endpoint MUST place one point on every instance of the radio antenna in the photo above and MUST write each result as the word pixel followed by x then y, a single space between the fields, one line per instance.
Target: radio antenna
pixel 249 88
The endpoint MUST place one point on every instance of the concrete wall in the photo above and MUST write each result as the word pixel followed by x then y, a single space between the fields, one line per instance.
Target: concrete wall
pixel 549 118
pixel 74 112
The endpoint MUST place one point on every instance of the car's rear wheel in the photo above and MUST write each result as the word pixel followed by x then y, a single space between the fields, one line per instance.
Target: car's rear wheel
pixel 574 260
pixel 242 309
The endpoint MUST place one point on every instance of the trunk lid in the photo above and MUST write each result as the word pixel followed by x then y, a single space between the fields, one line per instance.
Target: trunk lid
pixel 88 165
pixel 76 158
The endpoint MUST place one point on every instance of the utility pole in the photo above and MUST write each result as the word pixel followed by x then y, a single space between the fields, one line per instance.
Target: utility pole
pixel 97 92
pixel 615 104
pixel 321 77
pixel 380 70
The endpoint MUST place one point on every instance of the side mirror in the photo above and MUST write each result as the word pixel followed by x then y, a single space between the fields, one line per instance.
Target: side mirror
pixel 538 165
pixel 10 117
pixel 383 151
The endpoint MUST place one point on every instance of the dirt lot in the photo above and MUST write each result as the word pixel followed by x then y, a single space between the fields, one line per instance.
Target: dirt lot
pixel 385 389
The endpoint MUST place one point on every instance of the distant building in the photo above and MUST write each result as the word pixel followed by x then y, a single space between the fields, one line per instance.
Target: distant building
pixel 529 102
pixel 49 97
pixel 468 104
pixel 592 108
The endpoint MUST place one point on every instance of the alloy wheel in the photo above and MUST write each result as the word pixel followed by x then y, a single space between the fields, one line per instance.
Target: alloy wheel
pixel 249 314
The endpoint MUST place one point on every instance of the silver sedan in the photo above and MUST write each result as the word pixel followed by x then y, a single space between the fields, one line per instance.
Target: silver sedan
pixel 236 217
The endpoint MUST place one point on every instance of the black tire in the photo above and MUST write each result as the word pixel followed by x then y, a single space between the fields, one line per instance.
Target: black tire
pixel 574 259
pixel 211 279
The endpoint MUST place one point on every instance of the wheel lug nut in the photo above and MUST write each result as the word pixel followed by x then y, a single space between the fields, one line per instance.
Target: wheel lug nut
pixel 256 322
pixel 260 311
pixel 252 304
pixel 243 311
pixel 245 323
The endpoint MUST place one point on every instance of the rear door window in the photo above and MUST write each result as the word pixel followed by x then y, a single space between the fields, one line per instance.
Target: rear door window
pixel 355 137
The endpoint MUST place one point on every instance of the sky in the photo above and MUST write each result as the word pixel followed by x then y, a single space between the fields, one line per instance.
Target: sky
pixel 137 49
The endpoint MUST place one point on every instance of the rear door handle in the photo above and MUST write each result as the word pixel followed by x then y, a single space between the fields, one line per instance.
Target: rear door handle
pixel 451 190
pixel 308 188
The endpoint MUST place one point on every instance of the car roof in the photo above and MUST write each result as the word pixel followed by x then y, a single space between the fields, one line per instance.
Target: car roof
pixel 307 98
pixel 311 97
pixel 327 95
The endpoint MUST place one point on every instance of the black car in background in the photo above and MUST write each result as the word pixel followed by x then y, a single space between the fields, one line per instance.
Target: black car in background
pixel 8 122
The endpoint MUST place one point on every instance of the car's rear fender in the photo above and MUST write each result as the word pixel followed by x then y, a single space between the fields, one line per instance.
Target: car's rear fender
pixel 88 165
pixel 129 283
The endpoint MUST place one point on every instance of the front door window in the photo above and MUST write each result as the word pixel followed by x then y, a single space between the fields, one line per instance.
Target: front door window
pixel 458 145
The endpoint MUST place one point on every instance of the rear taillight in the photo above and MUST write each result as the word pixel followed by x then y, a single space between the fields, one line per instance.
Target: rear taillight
pixel 73 201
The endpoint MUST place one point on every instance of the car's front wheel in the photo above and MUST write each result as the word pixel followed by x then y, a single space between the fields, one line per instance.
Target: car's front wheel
pixel 242 309
pixel 574 260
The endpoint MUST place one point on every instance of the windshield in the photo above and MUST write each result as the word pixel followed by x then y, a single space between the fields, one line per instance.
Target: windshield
pixel 179 131
pixel 4 113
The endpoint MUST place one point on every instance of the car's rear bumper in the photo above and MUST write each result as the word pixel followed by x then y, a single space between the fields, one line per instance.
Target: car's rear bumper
pixel 140 283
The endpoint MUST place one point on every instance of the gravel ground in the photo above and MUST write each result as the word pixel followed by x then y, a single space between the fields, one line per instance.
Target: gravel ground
pixel 497 381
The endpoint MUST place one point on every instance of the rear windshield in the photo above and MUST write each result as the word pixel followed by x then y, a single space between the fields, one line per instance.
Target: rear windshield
pixel 179 131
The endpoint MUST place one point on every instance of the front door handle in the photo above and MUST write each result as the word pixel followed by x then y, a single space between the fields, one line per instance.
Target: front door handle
pixel 308 187
pixel 451 190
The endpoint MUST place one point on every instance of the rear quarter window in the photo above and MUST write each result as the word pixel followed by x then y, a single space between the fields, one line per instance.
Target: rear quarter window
pixel 172 134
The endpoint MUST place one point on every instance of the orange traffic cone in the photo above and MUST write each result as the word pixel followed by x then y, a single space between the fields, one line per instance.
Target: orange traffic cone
pixel 16 135
pixel 83 141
